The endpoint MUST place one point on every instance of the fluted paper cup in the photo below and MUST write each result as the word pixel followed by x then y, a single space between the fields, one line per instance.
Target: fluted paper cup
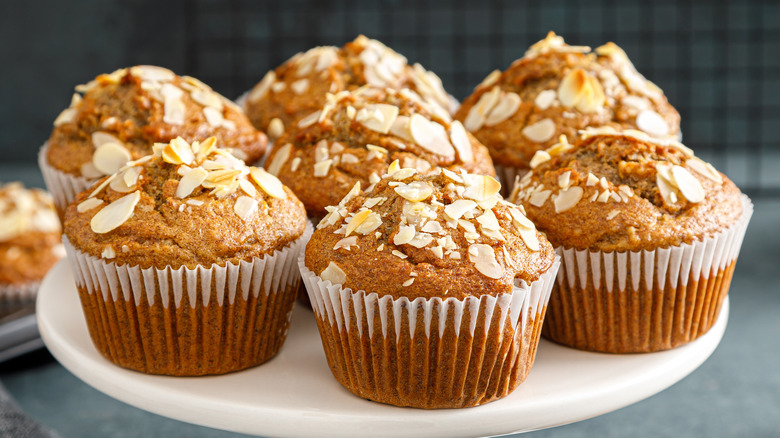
pixel 636 302
pixel 63 186
pixel 429 353
pixel 189 322
pixel 507 176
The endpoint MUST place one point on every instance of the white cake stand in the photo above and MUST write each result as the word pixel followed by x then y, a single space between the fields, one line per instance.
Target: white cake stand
pixel 295 395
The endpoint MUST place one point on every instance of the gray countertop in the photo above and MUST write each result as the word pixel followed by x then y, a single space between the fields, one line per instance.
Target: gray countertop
pixel 736 392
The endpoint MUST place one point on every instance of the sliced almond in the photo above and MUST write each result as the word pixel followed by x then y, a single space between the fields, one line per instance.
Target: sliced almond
pixel 213 116
pixel 490 79
pixel 99 138
pixel 703 168
pixel 280 157
pixel 430 136
pixel 322 168
pixel 459 208
pixel 460 140
pixel 505 108
pixel 404 235
pixel 300 86
pixel 349 159
pixel 205 148
pixel 110 157
pixel 275 128
pixel 529 238
pixel 309 120
pixel 564 179
pixel 178 151
pixel 190 181
pixel 378 117
pixel 689 186
pixel 207 98
pixel 151 73
pixel 541 131
pixel 652 123
pixel 115 214
pixel 269 183
pixel 421 240
pixel 489 221
pixel 432 227
pixel 567 199
pixel 68 115
pixel 245 207
pixel 120 185
pixel 666 189
pixel 261 89
pixel 484 259
pixel 88 204
pixel 247 187
pixel 539 158
pixel 89 171
pixel 415 191
pixel 480 187
pixel 479 112
pixel 346 243
pixel 545 99
pixel 538 199
pixel 334 274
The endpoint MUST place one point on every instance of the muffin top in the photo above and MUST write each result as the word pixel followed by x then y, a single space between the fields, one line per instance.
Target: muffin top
pixel 29 234
pixel 123 113
pixel 356 135
pixel 444 234
pixel 625 191
pixel 185 205
pixel 298 87
pixel 559 89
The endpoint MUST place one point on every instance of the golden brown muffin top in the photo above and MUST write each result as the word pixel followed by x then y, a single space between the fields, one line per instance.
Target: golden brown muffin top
pixel 625 191
pixel 29 234
pixel 298 87
pixel 185 205
pixel 444 234
pixel 559 89
pixel 356 135
pixel 123 113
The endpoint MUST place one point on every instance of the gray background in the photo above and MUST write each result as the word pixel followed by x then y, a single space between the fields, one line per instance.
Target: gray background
pixel 717 62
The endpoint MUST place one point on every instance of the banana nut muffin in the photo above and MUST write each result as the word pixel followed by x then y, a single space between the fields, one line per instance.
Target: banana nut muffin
pixel 643 211
pixel 218 237
pixel 123 113
pixel 30 241
pixel 420 254
pixel 557 89
pixel 356 135
pixel 298 87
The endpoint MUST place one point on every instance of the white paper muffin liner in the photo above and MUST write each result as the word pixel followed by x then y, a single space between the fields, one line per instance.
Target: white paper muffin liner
pixel 507 176
pixel 63 186
pixel 429 353
pixel 645 300
pixel 206 320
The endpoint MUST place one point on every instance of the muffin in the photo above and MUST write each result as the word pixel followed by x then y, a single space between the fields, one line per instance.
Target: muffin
pixel 429 290
pixel 298 87
pixel 356 135
pixel 557 89
pixel 649 235
pixel 30 241
pixel 184 261
pixel 123 113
